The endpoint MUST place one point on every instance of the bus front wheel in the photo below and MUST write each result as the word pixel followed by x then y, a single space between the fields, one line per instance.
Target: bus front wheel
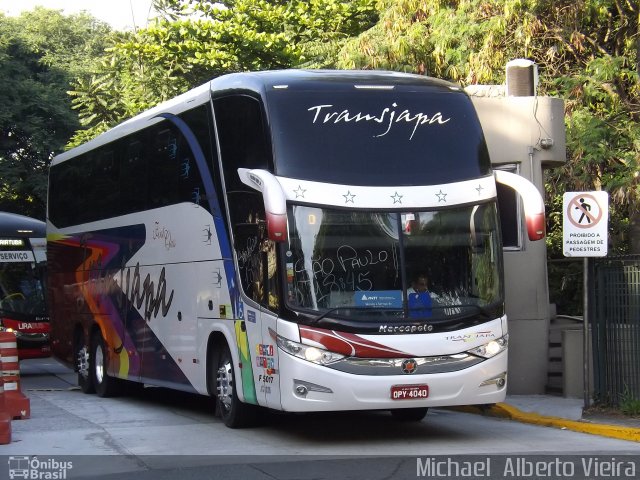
pixel 233 412
pixel 105 385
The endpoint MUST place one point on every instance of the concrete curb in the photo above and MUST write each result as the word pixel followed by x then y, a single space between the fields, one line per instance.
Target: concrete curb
pixel 504 410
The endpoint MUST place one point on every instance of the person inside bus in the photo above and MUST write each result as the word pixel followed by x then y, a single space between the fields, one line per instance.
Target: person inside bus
pixel 419 298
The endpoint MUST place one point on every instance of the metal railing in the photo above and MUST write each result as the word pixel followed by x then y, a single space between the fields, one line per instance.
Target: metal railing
pixel 615 321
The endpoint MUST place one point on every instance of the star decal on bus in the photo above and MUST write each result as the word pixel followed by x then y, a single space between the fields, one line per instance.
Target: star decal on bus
pixel 442 197
pixel 479 189
pixel 348 197
pixel 397 198
pixel 299 192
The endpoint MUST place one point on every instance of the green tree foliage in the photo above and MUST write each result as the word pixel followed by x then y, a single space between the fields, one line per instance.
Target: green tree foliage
pixel 198 40
pixel 40 52
pixel 587 52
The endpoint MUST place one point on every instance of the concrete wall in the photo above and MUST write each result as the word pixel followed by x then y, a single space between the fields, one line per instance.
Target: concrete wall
pixel 527 132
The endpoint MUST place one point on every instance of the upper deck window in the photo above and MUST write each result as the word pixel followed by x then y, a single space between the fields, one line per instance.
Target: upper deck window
pixel 399 136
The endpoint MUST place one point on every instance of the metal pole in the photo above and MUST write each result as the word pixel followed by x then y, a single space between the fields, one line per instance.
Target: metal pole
pixel 585 332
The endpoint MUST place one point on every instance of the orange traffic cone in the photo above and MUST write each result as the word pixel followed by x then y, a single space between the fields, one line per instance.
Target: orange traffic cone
pixel 17 405
pixel 5 418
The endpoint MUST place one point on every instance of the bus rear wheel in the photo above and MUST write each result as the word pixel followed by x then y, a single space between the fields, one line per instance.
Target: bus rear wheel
pixel 233 412
pixel 409 414
pixel 104 385
pixel 83 366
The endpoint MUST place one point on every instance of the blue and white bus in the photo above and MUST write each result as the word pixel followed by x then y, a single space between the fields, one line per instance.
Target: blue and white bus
pixel 261 239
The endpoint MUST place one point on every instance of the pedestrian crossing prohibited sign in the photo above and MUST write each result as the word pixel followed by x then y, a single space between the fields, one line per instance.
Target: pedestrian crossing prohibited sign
pixel 585 224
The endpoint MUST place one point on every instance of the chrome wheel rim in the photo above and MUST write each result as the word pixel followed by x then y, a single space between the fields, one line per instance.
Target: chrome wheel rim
pixel 99 364
pixel 83 362
pixel 224 385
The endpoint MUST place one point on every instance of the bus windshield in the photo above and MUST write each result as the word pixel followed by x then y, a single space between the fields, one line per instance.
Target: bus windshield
pixel 21 291
pixel 422 264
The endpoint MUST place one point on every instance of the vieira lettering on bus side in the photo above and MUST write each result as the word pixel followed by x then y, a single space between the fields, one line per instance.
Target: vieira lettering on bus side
pixel 393 117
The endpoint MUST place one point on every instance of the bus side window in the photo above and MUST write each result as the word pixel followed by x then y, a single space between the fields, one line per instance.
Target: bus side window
pixel 270 262
pixel 246 209
pixel 164 168
pixel 256 253
pixel 248 248
pixel 66 182
pixel 104 198
pixel 190 178
pixel 133 174
pixel 243 140
pixel 244 144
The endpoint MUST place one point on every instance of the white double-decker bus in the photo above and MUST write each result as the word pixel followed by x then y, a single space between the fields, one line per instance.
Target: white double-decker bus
pixel 296 240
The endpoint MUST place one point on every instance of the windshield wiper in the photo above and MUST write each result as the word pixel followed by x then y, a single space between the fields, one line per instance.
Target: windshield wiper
pixel 465 310
pixel 486 311
pixel 354 307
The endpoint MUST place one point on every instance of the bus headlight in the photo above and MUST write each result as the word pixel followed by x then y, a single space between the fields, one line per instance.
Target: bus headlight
pixel 492 348
pixel 308 352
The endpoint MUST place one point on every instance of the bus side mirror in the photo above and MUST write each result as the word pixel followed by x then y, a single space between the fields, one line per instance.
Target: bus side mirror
pixel 531 200
pixel 275 204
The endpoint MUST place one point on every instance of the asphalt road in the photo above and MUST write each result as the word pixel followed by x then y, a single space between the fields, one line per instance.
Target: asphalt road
pixel 159 434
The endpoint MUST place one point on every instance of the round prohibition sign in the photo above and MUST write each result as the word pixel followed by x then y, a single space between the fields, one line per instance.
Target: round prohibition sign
pixel 582 207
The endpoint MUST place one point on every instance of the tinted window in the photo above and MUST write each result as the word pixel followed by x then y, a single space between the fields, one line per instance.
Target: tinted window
pixel 164 168
pixel 377 137
pixel 66 186
pixel 105 190
pixel 243 140
pixel 244 144
pixel 190 183
pixel 151 168
pixel 133 169
pixel 256 254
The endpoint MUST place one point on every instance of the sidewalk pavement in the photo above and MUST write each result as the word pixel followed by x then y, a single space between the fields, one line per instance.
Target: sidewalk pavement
pixel 563 413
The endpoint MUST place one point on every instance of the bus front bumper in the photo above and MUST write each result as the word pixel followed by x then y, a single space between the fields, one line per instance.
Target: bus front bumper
pixel 307 387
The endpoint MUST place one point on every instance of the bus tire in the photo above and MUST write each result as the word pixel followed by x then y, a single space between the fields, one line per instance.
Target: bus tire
pixel 409 414
pixel 233 412
pixel 83 365
pixel 104 385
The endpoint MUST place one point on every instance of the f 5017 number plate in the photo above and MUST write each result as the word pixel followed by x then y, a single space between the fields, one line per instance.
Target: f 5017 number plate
pixel 409 392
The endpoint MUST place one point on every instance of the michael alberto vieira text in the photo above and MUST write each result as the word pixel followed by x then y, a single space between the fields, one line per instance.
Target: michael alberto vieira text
pixel 523 467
